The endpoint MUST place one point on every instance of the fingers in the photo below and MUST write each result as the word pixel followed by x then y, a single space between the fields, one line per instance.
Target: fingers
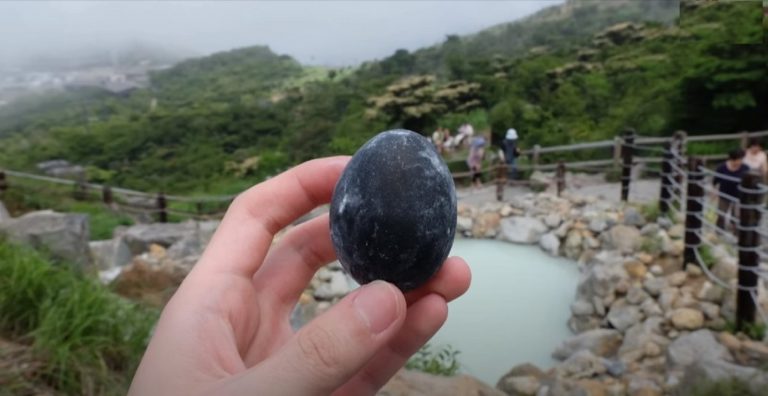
pixel 290 266
pixel 423 320
pixel 450 282
pixel 244 235
pixel 332 348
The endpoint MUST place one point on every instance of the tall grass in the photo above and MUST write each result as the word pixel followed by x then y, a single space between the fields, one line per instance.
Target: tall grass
pixel 89 339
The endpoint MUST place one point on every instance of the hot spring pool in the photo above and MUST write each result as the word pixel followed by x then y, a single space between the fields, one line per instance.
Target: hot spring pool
pixel 515 311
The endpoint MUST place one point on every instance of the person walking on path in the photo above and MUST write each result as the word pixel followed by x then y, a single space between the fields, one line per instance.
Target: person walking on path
pixel 755 159
pixel 727 179
pixel 475 160
pixel 510 152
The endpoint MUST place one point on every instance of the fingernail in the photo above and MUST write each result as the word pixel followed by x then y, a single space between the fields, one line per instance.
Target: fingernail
pixel 376 303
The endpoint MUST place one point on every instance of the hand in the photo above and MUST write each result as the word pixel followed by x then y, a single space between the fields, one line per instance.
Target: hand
pixel 226 330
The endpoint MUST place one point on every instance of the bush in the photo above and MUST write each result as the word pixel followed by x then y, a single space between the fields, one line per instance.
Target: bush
pixel 89 339
pixel 441 362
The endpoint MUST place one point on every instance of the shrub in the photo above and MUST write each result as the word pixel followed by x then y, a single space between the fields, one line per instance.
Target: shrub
pixel 440 362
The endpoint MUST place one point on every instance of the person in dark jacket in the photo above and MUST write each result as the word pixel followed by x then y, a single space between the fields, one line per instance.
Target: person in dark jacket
pixel 727 179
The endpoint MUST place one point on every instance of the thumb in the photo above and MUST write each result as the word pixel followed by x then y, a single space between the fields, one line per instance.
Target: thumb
pixel 331 349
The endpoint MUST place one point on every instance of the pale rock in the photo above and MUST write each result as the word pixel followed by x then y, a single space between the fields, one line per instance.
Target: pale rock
pixel 550 243
pixel 699 345
pixel 633 217
pixel 582 364
pixel 324 274
pixel 654 286
pixel 710 310
pixel 524 230
pixel 598 225
pixel 677 231
pixel 622 287
pixel 109 254
pixel 464 224
pixel 520 380
pixel 623 238
pixel 466 210
pixel 523 386
pixel 729 340
pixel 139 237
pixel 677 279
pixel 711 293
pixel 657 270
pixel 157 252
pixel 486 225
pixel 507 211
pixel 415 383
pixel 664 222
pixel 636 295
pixel 64 235
pixel 580 324
pixel 553 220
pixel 645 258
pixel 636 269
pixel 108 275
pixel 639 386
pixel 582 308
pixel 651 308
pixel 590 242
pixel 651 349
pixel 597 302
pixel 625 317
pixel 649 229
pixel 573 244
pixel 636 337
pixel 337 287
pixel 562 230
pixel 725 269
pixel 686 300
pixel 756 351
pixel 694 271
pixel 675 248
pixel 601 342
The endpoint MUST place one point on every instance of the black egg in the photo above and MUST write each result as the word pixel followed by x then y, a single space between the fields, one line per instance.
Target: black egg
pixel 393 212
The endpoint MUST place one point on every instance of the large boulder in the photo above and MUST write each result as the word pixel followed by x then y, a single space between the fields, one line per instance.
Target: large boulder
pixel 526 230
pixel 700 371
pixel 623 238
pixel 110 253
pixel 699 345
pixel 140 236
pixel 64 235
pixel 414 383
pixel 601 342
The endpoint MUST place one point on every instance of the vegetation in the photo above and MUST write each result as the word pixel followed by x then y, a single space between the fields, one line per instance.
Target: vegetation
pixel 438 362
pixel 87 340
pixel 755 331
pixel 582 71
pixel 723 387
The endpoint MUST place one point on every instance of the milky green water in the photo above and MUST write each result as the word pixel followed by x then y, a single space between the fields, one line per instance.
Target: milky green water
pixel 515 311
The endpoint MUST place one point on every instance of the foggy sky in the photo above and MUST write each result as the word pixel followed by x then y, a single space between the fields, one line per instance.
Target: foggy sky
pixel 314 32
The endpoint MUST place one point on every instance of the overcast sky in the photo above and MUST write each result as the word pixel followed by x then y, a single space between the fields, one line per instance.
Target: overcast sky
pixel 315 32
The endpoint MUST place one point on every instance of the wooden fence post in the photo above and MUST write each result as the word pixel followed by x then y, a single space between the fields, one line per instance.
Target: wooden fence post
pixel 501 181
pixel 680 148
pixel 106 194
pixel 744 140
pixel 694 211
pixel 3 182
pixel 560 178
pixel 749 241
pixel 81 190
pixel 626 171
pixel 162 206
pixel 666 175
pixel 536 156
pixel 617 144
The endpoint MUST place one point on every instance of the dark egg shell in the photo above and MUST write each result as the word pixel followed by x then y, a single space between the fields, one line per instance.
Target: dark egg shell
pixel 393 212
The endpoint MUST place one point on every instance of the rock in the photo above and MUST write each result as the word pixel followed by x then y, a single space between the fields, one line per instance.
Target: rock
pixel 756 351
pixel 414 383
pixel 581 323
pixel 553 220
pixel 687 319
pixel 624 238
pixel 710 310
pixel 550 243
pixel 654 286
pixel 525 230
pixel 562 231
pixel 64 235
pixel 4 214
pixel 633 217
pixel 699 345
pixel 650 229
pixel 598 225
pixel 582 308
pixel 714 369
pixel 573 244
pixel 652 349
pixel 729 340
pixel 464 224
pixel 601 342
pixel 636 295
pixel 711 293
pixel 657 270
pixel 140 236
pixel 521 380
pixel 506 211
pixel 582 364
pixel 147 282
pixel 677 231
pixel 641 386
pixel 677 279
pixel 694 271
pixel 674 247
pixel 109 254
pixel 651 308
pixel 623 318
pixel 636 269
pixel 108 276
pixel 336 288
pixel 486 225
pixel 637 337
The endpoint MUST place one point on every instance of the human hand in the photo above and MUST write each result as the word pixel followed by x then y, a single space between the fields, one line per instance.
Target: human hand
pixel 226 331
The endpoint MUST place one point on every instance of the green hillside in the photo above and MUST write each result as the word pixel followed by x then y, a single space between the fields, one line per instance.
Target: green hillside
pixel 582 71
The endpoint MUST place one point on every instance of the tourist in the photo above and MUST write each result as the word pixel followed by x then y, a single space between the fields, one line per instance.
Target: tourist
pixel 475 160
pixel 226 330
pixel 464 135
pixel 756 160
pixel 438 139
pixel 511 152
pixel 727 179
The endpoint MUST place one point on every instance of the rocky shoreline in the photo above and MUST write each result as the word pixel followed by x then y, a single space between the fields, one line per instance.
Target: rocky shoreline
pixel 642 323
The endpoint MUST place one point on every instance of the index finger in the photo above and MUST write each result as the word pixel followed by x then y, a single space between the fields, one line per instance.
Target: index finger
pixel 245 234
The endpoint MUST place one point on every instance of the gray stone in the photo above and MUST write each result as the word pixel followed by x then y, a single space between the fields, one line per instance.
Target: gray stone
pixel 664 222
pixel 710 310
pixel 525 230
pixel 562 231
pixel 622 318
pixel 581 323
pixel 650 229
pixel 338 287
pixel 464 224
pixel 140 236
pixel 550 243
pixel 713 369
pixel 638 336
pixel 677 231
pixel 582 364
pixel 109 253
pixel 64 235
pixel 582 308
pixel 699 345
pixel 636 295
pixel 601 342
pixel 633 217
pixel 598 225
pixel 553 220
pixel 651 308
pixel 687 319
pixel 654 286
pixel 520 380
pixel 624 238
pixel 573 244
